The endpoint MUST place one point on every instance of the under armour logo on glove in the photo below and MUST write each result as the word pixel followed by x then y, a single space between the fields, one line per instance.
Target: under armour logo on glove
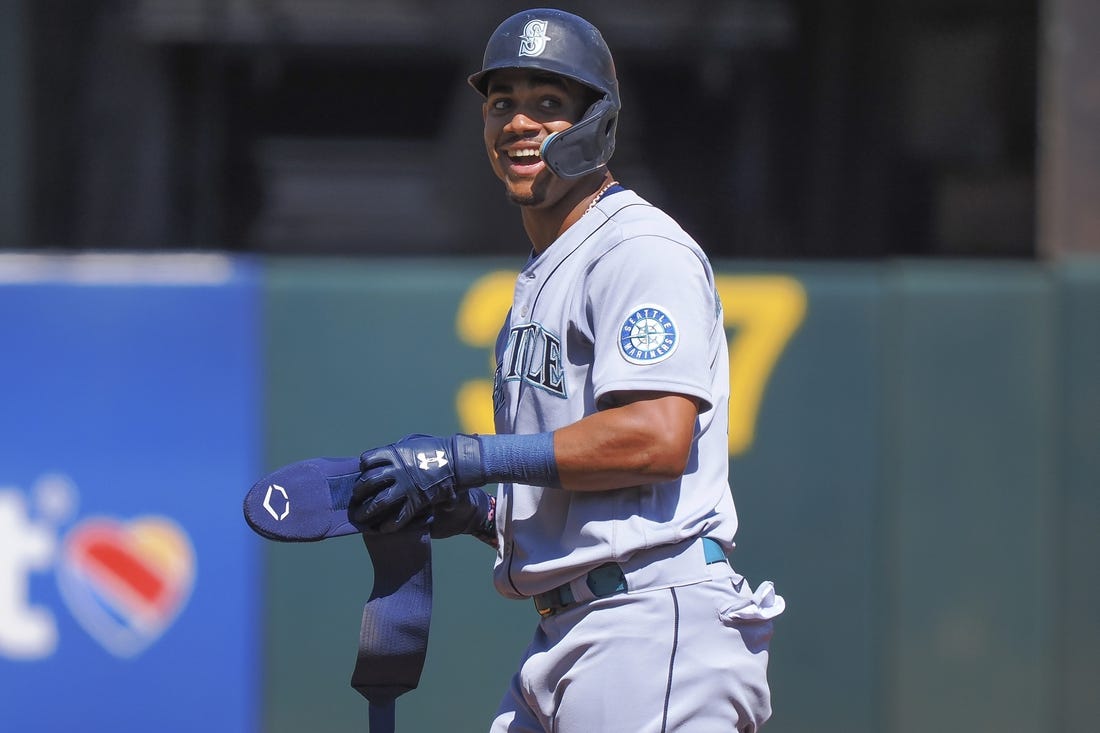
pixel 437 461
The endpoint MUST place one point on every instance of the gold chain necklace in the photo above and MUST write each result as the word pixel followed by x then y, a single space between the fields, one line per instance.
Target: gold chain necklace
pixel 599 195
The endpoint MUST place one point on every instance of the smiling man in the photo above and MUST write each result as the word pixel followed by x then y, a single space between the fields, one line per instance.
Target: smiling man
pixel 613 511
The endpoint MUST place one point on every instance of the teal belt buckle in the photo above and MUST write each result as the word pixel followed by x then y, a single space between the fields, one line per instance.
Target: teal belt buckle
pixel 713 551
pixel 606 580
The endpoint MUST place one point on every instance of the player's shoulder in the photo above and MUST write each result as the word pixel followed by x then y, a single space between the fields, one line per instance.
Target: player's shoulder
pixel 635 224
pixel 633 215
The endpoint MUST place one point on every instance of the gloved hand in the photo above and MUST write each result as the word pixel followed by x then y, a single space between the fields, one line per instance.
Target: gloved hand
pixel 472 512
pixel 404 480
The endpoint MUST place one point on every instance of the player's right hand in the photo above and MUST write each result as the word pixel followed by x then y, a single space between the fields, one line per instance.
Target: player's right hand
pixel 402 481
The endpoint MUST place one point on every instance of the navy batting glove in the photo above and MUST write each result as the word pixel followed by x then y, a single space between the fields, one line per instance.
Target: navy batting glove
pixel 404 480
pixel 472 512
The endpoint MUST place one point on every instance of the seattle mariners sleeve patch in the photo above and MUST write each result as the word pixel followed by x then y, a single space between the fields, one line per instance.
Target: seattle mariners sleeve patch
pixel 648 335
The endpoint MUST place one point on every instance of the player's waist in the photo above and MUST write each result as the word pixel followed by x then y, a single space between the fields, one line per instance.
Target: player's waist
pixel 661 567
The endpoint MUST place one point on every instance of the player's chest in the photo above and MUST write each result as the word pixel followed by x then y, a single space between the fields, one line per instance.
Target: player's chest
pixel 543 347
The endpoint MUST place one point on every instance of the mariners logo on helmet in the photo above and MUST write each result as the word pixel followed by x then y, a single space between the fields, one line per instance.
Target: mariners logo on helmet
pixel 647 336
pixel 534 38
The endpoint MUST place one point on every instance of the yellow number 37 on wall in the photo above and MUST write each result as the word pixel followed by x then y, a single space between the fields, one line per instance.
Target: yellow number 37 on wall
pixel 762 313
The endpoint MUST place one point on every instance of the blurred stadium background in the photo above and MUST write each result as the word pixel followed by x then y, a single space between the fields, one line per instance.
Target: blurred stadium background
pixel 901 198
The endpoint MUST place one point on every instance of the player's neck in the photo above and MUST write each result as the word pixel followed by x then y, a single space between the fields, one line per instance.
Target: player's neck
pixel 544 226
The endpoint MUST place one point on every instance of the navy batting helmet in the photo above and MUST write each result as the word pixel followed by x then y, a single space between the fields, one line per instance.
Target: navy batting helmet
pixel 567 45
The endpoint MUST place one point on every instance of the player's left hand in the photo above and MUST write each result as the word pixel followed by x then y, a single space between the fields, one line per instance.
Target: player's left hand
pixel 472 512
pixel 401 481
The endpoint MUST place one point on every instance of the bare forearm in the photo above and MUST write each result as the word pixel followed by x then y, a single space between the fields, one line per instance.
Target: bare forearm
pixel 644 441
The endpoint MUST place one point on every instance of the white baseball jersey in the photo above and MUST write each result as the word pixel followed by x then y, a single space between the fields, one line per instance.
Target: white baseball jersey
pixel 622 301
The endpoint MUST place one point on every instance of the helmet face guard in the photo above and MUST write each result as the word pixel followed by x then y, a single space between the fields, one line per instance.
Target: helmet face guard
pixel 566 45
pixel 586 146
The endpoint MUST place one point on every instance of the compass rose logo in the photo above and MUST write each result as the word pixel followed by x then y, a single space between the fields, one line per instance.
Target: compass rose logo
pixel 648 335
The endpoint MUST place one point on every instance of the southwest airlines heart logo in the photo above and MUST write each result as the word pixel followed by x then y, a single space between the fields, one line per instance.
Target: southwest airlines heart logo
pixel 125 582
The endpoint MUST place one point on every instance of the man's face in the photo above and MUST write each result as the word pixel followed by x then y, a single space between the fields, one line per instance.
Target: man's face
pixel 523 107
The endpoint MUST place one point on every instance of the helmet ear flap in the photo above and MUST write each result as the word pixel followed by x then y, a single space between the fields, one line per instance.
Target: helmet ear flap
pixel 586 146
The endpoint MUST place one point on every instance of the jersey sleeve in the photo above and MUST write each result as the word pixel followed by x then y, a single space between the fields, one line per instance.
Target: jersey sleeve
pixel 653 311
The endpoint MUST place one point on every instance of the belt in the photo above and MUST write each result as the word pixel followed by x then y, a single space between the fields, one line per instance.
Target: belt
pixel 607 580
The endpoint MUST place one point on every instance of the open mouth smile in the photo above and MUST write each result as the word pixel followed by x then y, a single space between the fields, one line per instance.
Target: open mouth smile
pixel 524 160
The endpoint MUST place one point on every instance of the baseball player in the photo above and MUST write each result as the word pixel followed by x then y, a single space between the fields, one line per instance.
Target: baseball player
pixel 613 510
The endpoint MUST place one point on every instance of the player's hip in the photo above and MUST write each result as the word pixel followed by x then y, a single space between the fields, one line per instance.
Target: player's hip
pixel 681 659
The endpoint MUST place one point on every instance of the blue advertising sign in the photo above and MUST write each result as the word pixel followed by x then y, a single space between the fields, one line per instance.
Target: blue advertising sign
pixel 129 431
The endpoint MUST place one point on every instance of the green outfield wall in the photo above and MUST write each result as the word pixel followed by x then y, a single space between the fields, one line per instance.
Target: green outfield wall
pixel 914 456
